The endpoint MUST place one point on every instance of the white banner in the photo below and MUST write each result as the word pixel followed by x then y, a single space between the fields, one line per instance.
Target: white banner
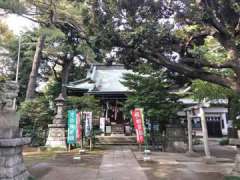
pixel 102 124
pixel 88 123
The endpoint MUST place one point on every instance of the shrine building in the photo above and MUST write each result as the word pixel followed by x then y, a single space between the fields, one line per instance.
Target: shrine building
pixel 104 82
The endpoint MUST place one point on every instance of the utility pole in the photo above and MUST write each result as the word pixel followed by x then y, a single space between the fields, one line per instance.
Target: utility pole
pixel 17 68
pixel 18 58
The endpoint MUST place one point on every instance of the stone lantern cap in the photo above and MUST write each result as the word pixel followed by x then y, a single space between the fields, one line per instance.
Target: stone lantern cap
pixel 60 98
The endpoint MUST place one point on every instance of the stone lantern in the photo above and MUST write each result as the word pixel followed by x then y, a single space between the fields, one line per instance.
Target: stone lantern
pixel 11 141
pixel 57 136
pixel 58 119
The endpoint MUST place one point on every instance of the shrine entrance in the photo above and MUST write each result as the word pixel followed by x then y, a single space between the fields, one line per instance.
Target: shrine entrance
pixel 115 120
pixel 113 112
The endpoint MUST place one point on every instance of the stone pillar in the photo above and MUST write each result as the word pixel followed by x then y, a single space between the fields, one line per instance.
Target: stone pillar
pixel 57 136
pixel 11 142
pixel 189 127
pixel 204 131
pixel 11 160
pixel 208 159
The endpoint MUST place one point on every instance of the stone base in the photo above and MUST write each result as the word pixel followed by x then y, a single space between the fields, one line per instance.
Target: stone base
pixel 56 136
pixel 11 160
pixel 191 154
pixel 176 146
pixel 209 160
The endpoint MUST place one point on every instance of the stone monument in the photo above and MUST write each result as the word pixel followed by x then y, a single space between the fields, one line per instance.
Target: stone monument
pixel 11 142
pixel 175 138
pixel 57 136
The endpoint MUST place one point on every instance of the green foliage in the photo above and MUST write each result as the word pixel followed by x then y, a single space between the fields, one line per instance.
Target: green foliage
pixel 52 89
pixel 5 34
pixel 7 39
pixel 37 112
pixel 3 78
pixel 231 178
pixel 35 117
pixel 13 6
pixel 224 141
pixel 202 89
pixel 84 103
pixel 153 91
pixel 234 109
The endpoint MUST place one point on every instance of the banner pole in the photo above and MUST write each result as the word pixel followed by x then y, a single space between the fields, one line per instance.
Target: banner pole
pixel 69 147
pixel 90 143
pixel 82 130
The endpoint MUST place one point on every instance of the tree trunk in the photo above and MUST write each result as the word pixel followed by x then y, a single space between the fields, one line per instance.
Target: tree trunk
pixel 65 74
pixel 204 131
pixel 32 83
pixel 190 146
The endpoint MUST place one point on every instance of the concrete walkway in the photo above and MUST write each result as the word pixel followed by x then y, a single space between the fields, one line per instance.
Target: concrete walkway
pixel 120 165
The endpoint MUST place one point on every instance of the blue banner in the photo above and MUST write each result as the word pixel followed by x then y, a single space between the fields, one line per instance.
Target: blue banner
pixel 72 128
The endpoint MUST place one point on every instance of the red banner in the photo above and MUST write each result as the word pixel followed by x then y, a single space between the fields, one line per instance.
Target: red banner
pixel 79 127
pixel 138 124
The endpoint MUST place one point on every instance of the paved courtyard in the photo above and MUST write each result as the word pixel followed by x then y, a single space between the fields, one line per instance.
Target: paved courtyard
pixel 120 165
pixel 125 163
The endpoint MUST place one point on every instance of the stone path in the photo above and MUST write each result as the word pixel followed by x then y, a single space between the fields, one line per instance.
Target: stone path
pixel 120 165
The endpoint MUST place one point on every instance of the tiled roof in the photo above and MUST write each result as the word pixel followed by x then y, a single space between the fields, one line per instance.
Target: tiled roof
pixel 102 78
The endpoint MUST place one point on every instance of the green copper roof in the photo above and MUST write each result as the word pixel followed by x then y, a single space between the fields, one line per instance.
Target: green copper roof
pixel 102 78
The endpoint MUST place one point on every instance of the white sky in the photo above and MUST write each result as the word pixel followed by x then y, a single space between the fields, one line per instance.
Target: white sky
pixel 18 24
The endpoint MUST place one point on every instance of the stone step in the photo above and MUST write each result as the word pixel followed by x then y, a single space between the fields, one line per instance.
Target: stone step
pixel 111 140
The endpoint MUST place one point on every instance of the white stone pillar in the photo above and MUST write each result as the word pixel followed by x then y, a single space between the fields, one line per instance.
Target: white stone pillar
pixel 189 123
pixel 204 131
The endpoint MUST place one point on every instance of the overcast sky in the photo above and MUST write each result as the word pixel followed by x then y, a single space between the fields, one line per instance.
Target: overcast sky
pixel 18 24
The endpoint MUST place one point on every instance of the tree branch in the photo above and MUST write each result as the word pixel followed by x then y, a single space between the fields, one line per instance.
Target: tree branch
pixel 211 10
pixel 205 63
pixel 191 72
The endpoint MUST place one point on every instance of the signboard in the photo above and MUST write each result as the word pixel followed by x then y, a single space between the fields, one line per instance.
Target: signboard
pixel 108 129
pixel 88 123
pixel 138 121
pixel 79 127
pixel 102 124
pixel 71 137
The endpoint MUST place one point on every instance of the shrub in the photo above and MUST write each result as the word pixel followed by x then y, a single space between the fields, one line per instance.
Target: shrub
pixel 232 178
pixel 224 141
pixel 35 117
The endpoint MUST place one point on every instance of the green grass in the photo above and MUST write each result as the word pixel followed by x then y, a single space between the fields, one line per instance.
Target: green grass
pixel 232 178
pixel 31 178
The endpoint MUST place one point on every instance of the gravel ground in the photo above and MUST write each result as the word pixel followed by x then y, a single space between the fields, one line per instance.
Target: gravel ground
pixel 176 166
pixel 162 166
pixel 63 166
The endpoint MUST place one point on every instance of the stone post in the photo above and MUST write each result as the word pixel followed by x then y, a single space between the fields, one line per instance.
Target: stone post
pixel 189 127
pixel 11 143
pixel 208 158
pixel 57 136
pixel 204 132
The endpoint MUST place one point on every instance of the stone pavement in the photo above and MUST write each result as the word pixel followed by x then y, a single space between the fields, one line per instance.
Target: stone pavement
pixel 120 164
